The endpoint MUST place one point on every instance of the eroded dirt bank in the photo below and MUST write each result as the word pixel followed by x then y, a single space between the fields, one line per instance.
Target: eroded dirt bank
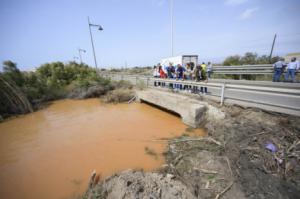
pixel 232 162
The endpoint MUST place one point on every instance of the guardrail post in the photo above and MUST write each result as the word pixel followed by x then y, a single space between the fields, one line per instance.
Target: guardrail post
pixel 222 94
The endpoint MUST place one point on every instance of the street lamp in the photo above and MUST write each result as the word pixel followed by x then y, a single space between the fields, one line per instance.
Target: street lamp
pixel 75 58
pixel 79 51
pixel 172 27
pixel 99 28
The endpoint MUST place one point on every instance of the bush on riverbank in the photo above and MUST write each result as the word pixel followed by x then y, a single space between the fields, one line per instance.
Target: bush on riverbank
pixel 53 81
pixel 118 96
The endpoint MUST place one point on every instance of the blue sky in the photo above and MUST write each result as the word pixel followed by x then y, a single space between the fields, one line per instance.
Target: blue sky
pixel 34 32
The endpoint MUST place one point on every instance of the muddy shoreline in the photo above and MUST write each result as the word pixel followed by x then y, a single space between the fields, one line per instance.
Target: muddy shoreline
pixel 231 162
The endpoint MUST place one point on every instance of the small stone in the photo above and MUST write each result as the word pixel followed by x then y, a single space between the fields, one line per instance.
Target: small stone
pixel 170 176
pixel 129 183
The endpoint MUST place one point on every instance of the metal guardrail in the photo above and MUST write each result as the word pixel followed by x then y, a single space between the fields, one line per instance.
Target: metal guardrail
pixel 262 69
pixel 283 99
pixel 244 69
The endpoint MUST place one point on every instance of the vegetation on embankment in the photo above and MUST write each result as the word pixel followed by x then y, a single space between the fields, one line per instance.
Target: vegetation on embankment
pixel 22 92
pixel 249 58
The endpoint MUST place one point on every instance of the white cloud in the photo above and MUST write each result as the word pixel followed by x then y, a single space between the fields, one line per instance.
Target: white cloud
pixel 248 13
pixel 235 2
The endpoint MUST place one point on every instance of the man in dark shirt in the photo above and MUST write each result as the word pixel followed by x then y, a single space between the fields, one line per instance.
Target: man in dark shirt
pixel 170 71
pixel 179 71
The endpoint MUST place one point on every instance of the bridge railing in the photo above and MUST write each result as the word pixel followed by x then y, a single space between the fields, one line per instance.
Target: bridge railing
pixel 283 99
pixel 244 69
pixel 261 69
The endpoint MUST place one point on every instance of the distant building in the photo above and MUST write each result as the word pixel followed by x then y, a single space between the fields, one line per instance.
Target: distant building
pixel 289 56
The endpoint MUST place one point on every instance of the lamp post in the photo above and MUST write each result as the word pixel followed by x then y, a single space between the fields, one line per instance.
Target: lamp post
pixel 79 51
pixel 75 58
pixel 99 28
pixel 172 27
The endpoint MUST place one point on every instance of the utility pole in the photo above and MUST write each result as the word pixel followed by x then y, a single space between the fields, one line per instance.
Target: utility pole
pixel 172 39
pixel 270 58
pixel 75 58
pixel 99 28
pixel 79 51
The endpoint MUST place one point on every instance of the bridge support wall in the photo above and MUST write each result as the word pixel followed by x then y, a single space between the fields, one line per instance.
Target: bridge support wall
pixel 191 111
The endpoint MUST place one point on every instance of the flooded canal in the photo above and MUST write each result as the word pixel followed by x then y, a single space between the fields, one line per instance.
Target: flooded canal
pixel 51 153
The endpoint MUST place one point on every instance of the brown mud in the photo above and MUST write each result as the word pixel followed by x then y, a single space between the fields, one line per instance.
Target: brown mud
pixel 232 162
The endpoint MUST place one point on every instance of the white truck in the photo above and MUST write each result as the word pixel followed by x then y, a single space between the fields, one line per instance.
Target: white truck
pixel 182 60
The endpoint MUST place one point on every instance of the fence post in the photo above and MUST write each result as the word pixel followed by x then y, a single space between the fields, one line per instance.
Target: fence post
pixel 136 80
pixel 122 77
pixel 147 82
pixel 222 94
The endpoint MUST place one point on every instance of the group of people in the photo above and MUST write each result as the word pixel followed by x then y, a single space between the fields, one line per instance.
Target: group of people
pixel 291 69
pixel 187 72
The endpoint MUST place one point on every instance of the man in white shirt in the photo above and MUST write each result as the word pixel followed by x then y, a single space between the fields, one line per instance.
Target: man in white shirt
pixel 298 69
pixel 298 64
pixel 209 69
pixel 278 69
pixel 291 70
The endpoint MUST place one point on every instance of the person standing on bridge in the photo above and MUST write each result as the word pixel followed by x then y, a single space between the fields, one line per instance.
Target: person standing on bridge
pixel 155 71
pixel 297 70
pixel 209 70
pixel 171 71
pixel 179 72
pixel 203 70
pixel 155 74
pixel 197 73
pixel 161 72
pixel 188 72
pixel 291 70
pixel 203 89
pixel 278 69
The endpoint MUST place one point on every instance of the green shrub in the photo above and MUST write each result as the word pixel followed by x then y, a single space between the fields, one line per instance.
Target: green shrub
pixel 141 85
pixel 56 80
pixel 122 84
pixel 119 95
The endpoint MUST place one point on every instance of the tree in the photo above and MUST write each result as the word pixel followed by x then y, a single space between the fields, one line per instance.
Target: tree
pixel 275 59
pixel 249 58
pixel 12 73
pixel 264 59
pixel 232 60
pixel 9 66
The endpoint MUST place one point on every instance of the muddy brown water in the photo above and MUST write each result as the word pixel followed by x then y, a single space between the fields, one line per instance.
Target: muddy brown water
pixel 51 153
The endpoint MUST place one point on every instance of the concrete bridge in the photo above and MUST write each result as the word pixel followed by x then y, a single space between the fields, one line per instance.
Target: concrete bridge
pixel 191 111
pixel 270 96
